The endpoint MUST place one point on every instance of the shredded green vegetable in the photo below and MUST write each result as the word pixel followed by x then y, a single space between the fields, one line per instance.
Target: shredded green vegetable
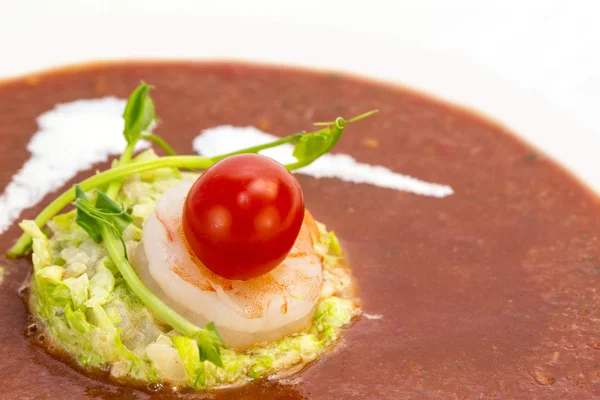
pixel 94 305
pixel 91 311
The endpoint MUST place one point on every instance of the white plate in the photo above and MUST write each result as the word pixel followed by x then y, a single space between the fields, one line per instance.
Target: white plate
pixel 52 37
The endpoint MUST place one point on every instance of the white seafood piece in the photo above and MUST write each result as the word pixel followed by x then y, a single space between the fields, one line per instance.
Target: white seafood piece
pixel 265 308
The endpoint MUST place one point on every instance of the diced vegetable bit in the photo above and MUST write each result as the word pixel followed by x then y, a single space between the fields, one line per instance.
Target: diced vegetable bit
pixel 101 286
pixel 167 361
pixel 2 272
pixel 41 253
pixel 77 319
pixel 79 289
pixel 74 270
pixel 190 355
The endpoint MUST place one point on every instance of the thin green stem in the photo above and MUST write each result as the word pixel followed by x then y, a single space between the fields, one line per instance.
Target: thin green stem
pixel 256 149
pixel 363 116
pixel 115 186
pixel 104 178
pixel 160 142
pixel 188 162
pixel 357 118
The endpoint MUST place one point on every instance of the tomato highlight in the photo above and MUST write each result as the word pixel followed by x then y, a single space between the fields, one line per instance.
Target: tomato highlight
pixel 243 215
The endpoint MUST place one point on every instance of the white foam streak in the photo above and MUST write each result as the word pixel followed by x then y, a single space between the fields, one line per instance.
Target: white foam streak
pixel 74 136
pixel 225 139
pixel 71 138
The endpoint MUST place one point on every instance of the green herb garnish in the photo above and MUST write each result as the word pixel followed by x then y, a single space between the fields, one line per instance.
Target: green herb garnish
pixel 138 116
pixel 105 222
pixel 308 147
pixel 105 212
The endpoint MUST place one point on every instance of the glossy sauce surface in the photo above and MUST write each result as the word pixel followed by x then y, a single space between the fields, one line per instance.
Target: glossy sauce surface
pixel 491 292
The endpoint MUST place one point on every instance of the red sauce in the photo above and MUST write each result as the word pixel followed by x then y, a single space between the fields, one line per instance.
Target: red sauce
pixel 491 292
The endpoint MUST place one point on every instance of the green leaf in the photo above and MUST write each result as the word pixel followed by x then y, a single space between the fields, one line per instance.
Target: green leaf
pixel 139 113
pixel 116 216
pixel 212 354
pixel 209 343
pixel 84 217
pixel 106 212
pixel 311 144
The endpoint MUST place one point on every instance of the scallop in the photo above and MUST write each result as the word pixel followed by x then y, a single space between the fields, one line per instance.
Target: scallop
pixel 261 309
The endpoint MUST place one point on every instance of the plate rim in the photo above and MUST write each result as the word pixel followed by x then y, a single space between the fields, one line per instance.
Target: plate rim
pixel 442 76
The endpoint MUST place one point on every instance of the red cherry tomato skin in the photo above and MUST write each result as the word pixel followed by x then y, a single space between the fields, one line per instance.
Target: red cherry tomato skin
pixel 243 215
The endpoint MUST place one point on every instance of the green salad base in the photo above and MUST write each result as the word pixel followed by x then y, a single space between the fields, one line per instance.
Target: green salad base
pixel 88 312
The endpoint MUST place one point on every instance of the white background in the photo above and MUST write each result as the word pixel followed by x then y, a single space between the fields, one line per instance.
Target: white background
pixel 549 47
pixel 543 56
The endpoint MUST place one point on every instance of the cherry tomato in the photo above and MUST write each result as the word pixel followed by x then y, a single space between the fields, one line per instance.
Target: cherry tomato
pixel 243 215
